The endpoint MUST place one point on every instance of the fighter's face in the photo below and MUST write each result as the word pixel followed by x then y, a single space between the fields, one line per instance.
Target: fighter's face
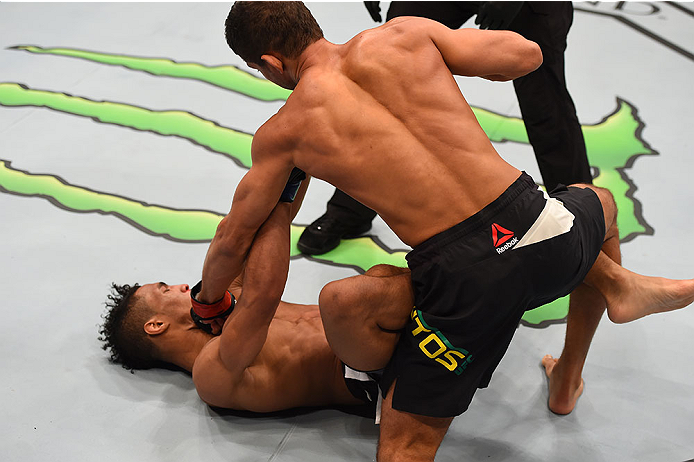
pixel 163 298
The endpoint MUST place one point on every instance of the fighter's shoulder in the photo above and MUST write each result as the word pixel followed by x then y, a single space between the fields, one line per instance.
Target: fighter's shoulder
pixel 389 41
pixel 220 387
pixel 212 380
pixel 410 27
pixel 209 354
pixel 275 134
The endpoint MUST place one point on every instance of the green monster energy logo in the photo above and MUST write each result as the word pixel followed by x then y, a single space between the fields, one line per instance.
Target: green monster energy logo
pixel 612 146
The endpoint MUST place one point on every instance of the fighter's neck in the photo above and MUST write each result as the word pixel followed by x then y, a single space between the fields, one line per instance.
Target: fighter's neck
pixel 186 350
pixel 319 53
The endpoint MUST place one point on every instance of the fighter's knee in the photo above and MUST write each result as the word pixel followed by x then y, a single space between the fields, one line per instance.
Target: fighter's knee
pixel 604 194
pixel 334 300
pixel 328 297
pixel 609 205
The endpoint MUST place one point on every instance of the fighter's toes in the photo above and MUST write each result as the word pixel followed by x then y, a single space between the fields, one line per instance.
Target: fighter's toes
pixel 548 362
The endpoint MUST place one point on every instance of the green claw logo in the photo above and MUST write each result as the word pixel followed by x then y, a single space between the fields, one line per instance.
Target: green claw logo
pixel 612 145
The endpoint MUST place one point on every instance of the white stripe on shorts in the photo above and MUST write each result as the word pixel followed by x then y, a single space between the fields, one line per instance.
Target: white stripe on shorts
pixel 364 377
pixel 554 220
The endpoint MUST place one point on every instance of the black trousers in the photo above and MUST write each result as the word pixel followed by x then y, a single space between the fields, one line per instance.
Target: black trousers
pixel 548 111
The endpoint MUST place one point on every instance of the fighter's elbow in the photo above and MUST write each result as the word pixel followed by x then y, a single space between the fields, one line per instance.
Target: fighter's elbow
pixel 533 57
pixel 521 59
pixel 528 58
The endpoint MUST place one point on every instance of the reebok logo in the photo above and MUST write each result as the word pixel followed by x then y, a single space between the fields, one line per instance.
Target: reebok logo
pixel 503 238
pixel 507 246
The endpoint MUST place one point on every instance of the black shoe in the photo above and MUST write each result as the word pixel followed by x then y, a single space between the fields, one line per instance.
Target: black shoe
pixel 324 234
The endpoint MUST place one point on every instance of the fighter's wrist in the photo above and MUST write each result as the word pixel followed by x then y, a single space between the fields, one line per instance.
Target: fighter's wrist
pixel 295 178
pixel 207 311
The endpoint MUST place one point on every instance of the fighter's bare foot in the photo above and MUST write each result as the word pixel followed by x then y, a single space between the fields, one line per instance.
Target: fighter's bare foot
pixel 563 392
pixel 637 296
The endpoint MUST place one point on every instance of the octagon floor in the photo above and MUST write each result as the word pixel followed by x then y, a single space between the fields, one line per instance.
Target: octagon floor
pixel 73 171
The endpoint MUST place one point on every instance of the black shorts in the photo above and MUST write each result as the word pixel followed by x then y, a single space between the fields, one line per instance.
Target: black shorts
pixel 474 281
pixel 362 385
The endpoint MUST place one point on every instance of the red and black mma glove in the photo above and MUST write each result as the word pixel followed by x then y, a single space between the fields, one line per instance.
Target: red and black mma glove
pixel 290 190
pixel 203 313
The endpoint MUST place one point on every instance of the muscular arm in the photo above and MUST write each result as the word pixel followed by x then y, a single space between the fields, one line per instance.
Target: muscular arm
pixel 237 285
pixel 245 330
pixel 223 364
pixel 493 55
pixel 255 197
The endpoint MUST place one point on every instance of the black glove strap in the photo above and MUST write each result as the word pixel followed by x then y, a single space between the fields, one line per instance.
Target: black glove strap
pixel 199 320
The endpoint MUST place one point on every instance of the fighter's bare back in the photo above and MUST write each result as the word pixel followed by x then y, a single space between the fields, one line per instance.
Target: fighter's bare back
pixel 382 118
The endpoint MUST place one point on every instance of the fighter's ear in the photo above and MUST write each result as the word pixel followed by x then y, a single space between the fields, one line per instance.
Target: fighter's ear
pixel 156 326
pixel 274 62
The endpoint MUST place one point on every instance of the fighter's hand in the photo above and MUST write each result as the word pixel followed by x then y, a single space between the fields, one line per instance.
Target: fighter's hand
pixel 497 15
pixel 295 179
pixel 374 10
pixel 210 317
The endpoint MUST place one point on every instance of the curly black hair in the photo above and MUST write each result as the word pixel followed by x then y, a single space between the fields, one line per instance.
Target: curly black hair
pixel 122 331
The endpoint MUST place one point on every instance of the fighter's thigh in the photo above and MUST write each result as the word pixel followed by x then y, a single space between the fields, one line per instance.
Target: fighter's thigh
pixel 382 297
pixel 609 206
pixel 362 316
pixel 409 437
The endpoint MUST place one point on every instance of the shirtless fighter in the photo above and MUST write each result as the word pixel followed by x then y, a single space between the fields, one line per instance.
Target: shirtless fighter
pixel 382 118
pixel 270 355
